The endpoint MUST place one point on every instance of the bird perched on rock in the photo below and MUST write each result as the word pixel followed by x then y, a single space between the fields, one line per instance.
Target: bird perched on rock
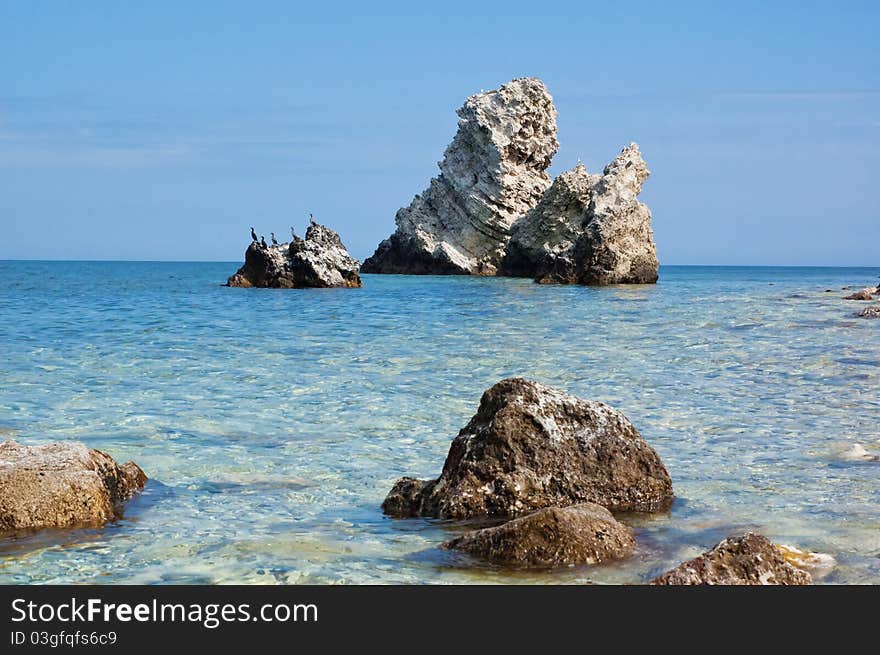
pixel 274 240
pixel 312 220
pixel 263 243
pixel 253 234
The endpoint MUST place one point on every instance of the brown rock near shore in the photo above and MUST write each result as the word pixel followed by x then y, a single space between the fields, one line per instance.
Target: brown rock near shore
pixel 62 484
pixel 554 536
pixel 749 559
pixel 530 446
pixel 863 294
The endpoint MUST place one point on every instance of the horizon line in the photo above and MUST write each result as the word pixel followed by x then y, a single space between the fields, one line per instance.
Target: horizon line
pixel 223 261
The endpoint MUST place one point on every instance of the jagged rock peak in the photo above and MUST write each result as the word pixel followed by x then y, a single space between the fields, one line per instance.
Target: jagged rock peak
pixel 492 173
pixel 616 245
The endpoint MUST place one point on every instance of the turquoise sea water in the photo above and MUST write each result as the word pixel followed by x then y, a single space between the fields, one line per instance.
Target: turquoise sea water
pixel 273 422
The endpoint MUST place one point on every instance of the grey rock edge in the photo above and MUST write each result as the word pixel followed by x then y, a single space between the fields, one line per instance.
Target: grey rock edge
pixel 62 484
pixel 750 559
pixel 530 446
pixel 319 260
pixel 493 211
pixel 554 536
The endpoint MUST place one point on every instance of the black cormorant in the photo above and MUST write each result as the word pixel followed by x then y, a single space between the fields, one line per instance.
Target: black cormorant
pixel 263 243
pixel 253 234
pixel 274 240
pixel 312 220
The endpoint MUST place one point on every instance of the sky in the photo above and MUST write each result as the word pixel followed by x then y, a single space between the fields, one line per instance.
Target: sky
pixel 163 130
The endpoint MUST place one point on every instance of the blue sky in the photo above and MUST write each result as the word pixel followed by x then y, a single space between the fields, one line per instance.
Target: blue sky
pixel 163 131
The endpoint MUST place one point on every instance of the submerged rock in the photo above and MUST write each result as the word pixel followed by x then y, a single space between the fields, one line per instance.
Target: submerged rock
pixel 818 565
pixel 319 260
pixel 857 452
pixel 864 294
pixel 589 229
pixel 492 173
pixel 62 484
pixel 871 311
pixel 554 536
pixel 750 559
pixel 530 446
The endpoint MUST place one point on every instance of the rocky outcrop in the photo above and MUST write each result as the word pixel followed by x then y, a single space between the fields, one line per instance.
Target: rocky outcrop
pixel 588 229
pixel 319 260
pixel 864 294
pixel 62 484
pixel 493 211
pixel 871 311
pixel 554 536
pixel 492 173
pixel 530 446
pixel 750 559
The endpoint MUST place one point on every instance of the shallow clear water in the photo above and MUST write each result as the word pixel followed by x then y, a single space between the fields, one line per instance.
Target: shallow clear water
pixel 273 422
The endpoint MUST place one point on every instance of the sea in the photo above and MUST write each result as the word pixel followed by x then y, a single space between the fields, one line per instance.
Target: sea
pixel 272 423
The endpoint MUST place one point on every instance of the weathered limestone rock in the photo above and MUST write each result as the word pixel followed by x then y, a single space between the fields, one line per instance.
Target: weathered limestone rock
pixel 319 260
pixel 750 559
pixel 871 311
pixel 554 536
pixel 550 230
pixel 492 173
pixel 616 243
pixel 864 294
pixel 62 484
pixel 530 446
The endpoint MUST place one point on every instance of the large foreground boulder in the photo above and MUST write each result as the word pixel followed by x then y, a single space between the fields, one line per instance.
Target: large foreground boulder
pixel 492 173
pixel 530 446
pixel 554 536
pixel 589 229
pixel 319 260
pixel 750 559
pixel 62 484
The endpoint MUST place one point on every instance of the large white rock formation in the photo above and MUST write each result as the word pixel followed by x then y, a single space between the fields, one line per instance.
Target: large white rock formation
pixel 492 173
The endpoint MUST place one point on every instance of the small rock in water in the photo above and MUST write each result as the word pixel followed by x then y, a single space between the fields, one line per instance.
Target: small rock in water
pixel 817 564
pixel 859 452
pixel 554 536
pixel 319 260
pixel 749 559
pixel 865 294
pixel 871 311
pixel 62 484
